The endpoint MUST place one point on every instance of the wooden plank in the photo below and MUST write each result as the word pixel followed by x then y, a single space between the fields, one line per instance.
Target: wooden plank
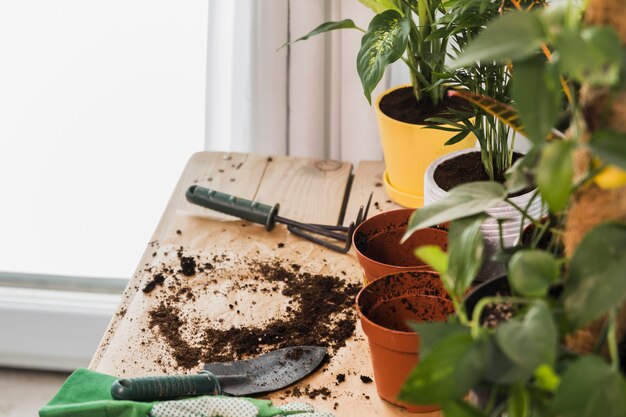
pixel 307 190
pixel 368 178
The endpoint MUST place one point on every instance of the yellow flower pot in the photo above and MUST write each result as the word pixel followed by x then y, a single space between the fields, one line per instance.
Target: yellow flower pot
pixel 408 150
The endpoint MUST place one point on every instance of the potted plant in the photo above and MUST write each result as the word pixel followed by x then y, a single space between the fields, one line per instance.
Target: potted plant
pixel 410 30
pixel 559 354
pixel 488 89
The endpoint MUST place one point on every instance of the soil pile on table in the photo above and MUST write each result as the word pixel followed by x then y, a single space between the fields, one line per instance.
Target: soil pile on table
pixel 319 312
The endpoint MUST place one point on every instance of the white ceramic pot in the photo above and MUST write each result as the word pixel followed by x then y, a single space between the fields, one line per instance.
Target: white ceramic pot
pixel 510 229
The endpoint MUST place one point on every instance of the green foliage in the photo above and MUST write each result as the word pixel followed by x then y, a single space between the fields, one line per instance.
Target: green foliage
pixel 465 251
pixel 513 37
pixel 591 55
pixel 329 26
pixel 519 401
pixel 532 341
pixel 447 373
pixel 555 173
pixel 462 201
pixel 591 388
pixel 522 362
pixel 596 281
pixel 537 95
pixel 610 146
pixel 532 272
pixel 434 256
pixel 384 43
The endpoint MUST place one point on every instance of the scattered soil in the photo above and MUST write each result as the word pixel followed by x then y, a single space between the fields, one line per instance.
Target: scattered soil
pixel 319 313
pixel 188 265
pixel 340 378
pixel 366 379
pixel 467 168
pixel 158 279
pixel 402 105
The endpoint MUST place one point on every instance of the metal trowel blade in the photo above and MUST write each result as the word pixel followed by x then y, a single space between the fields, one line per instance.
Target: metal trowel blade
pixel 268 372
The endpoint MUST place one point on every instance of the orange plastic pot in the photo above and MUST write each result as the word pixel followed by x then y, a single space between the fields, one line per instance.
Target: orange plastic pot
pixel 378 249
pixel 408 150
pixel 384 307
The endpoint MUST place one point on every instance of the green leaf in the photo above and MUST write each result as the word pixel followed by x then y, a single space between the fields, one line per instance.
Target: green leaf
pixel 537 93
pixel 462 201
pixel 522 174
pixel 461 409
pixel 513 36
pixel 532 341
pixel 447 373
pixel 434 256
pixel 532 272
pixel 546 378
pixel 499 368
pixel 430 334
pixel 596 281
pixel 518 404
pixel 457 138
pixel 590 388
pixel 327 27
pixel 591 56
pixel 465 252
pixel 384 42
pixel 379 6
pixel 555 173
pixel 610 146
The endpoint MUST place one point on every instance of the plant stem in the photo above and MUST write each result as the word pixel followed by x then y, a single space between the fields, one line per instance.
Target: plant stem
pixel 612 341
pixel 484 302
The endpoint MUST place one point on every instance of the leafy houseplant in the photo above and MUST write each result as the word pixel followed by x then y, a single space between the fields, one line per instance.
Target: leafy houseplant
pixel 408 30
pixel 534 363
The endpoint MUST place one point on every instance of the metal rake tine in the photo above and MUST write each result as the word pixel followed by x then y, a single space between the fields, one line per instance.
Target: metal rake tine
pixel 363 213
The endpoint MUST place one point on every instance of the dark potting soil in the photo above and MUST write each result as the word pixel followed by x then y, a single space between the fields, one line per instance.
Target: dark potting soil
pixel 467 168
pixel 402 105
pixel 320 313
pixel 494 314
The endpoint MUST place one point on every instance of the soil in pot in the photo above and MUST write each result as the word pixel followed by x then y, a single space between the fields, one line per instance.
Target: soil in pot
pixel 402 105
pixel 466 168
pixel 384 307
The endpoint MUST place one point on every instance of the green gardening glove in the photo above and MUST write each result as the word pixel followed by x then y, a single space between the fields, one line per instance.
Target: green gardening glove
pixel 212 406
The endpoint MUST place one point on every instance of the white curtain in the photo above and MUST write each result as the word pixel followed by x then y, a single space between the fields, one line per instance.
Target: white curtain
pixel 304 99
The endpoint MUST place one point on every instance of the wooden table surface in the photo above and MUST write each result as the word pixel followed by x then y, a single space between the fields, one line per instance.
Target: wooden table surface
pixel 308 190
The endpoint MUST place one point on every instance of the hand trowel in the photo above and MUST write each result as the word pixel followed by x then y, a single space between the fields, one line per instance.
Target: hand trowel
pixel 265 373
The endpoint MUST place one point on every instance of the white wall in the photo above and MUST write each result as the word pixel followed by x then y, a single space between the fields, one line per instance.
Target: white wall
pixel 101 104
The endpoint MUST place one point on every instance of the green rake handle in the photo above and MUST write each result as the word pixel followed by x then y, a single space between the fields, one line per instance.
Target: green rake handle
pixel 235 206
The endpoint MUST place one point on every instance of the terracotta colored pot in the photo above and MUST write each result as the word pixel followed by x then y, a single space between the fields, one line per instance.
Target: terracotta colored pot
pixel 384 306
pixel 378 248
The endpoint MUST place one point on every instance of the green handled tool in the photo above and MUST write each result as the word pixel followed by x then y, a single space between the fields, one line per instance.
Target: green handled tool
pixel 268 216
pixel 265 373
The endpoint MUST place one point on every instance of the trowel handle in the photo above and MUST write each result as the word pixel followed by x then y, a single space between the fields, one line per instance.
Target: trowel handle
pixel 153 388
pixel 235 206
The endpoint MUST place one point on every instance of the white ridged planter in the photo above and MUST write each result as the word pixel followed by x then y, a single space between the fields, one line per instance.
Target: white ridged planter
pixel 510 229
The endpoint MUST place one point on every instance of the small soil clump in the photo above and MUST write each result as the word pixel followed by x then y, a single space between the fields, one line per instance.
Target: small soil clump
pixel 366 379
pixel 188 266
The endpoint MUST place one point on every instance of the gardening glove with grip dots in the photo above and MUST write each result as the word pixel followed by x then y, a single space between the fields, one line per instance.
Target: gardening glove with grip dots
pixel 211 406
